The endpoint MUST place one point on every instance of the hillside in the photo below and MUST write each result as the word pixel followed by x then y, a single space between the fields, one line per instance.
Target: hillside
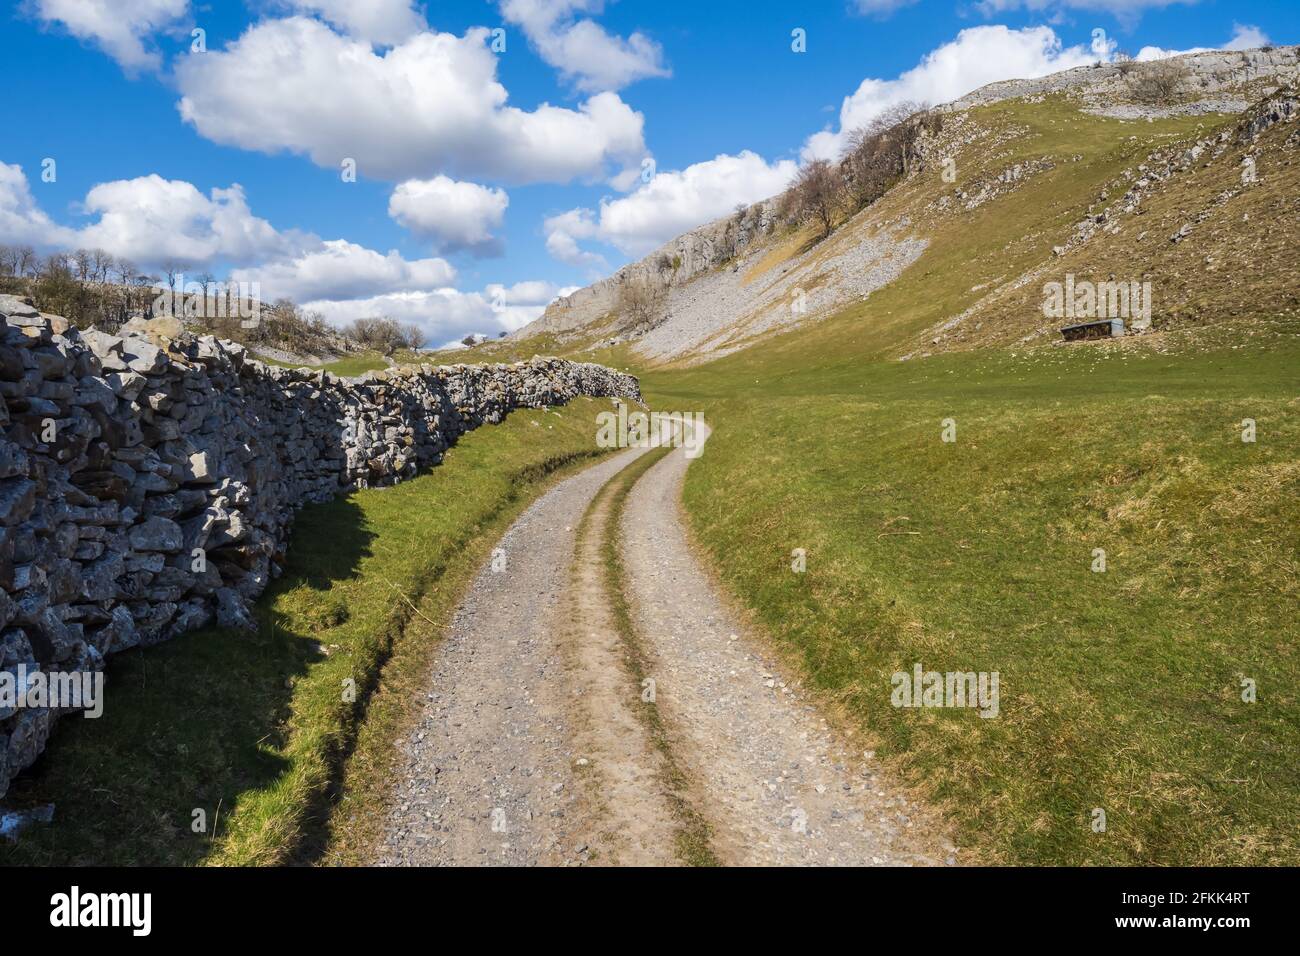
pixel 951 469
pixel 1065 167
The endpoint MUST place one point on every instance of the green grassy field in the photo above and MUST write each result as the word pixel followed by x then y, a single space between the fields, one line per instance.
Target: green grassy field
pixel 1120 691
pixel 255 730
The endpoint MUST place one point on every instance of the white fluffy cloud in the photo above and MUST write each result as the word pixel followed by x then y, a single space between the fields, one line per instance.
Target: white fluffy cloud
pixel 444 315
pixel 150 220
pixel 978 56
pixel 447 315
pixel 430 103
pixel 153 221
pixel 121 28
pixel 583 52
pixel 22 221
pixel 562 235
pixel 454 215
pixel 338 269
pixel 517 305
pixel 670 204
pixel 379 21
pixel 1244 37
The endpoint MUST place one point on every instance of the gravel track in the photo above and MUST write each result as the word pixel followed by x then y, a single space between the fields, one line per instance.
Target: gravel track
pixel 489 770
pixel 530 750
pixel 778 788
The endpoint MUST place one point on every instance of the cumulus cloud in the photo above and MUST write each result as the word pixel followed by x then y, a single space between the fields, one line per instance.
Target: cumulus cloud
pixel 978 56
pixel 668 205
pixel 121 28
pixel 150 219
pixel 155 221
pixel 584 53
pixel 447 315
pixel 338 269
pixel 517 305
pixel 384 22
pixel 443 315
pixel 454 215
pixel 562 235
pixel 1244 37
pixel 432 102
pixel 22 221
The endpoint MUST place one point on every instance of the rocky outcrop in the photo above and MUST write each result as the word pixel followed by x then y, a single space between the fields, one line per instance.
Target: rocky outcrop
pixel 148 481
pixel 1218 81
pixel 671 266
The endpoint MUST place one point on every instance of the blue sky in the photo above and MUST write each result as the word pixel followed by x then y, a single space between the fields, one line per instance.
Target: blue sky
pixel 487 179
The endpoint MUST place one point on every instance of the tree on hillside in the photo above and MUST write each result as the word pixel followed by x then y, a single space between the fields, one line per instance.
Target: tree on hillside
pixel 877 153
pixel 24 261
pixel 817 190
pixel 385 335
pixel 639 300
pixel 101 264
pixel 173 268
pixel 1159 83
pixel 81 260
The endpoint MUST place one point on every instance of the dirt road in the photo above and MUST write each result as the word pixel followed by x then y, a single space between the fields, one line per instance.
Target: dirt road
pixel 535 748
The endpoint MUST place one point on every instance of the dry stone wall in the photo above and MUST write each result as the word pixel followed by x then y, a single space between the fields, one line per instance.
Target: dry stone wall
pixel 148 481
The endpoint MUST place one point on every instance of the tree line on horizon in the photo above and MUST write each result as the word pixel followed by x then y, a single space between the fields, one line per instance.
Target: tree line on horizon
pixel 90 287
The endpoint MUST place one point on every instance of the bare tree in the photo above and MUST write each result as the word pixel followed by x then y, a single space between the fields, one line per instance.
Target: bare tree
pixel 173 269
pixel 81 260
pixel 878 153
pixel 126 271
pixel 102 264
pixel 383 334
pixel 413 337
pixel 818 188
pixel 639 300
pixel 1159 83
pixel 25 262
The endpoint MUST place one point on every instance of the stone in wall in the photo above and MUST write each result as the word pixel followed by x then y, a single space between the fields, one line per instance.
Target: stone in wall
pixel 123 458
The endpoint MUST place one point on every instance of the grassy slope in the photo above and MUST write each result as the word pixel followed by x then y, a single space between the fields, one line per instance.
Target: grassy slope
pixel 257 724
pixel 1236 265
pixel 1119 690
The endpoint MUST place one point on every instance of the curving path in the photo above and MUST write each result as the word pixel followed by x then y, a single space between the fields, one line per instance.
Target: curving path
pixel 534 748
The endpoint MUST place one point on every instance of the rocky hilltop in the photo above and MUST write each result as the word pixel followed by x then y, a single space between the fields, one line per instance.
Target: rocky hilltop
pixel 148 481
